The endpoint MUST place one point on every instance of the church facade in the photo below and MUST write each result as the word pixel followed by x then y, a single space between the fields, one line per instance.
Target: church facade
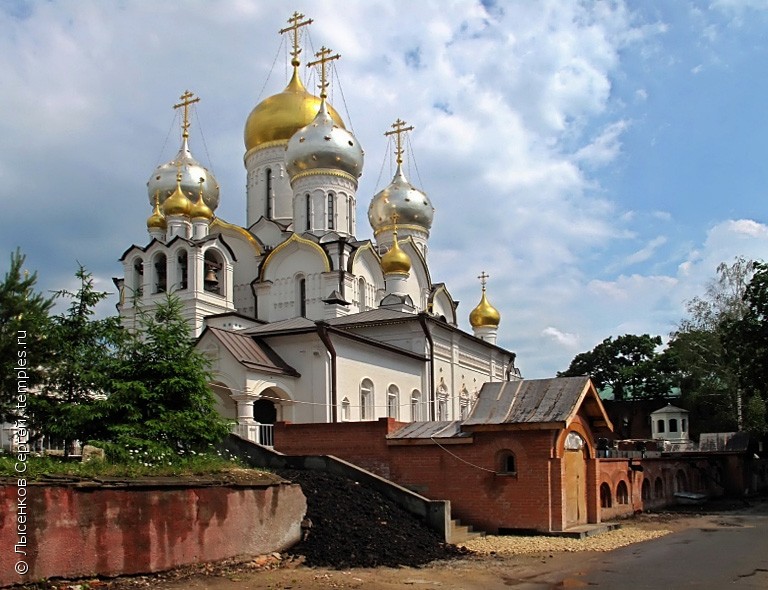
pixel 303 321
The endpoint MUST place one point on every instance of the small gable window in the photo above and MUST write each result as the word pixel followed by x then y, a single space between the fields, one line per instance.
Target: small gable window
pixel 507 463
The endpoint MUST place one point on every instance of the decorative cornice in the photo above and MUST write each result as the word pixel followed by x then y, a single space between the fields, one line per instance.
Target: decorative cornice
pixel 265 145
pixel 325 172
pixel 295 239
pixel 218 223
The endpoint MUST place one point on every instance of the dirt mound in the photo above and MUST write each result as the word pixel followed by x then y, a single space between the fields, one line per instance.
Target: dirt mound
pixel 354 526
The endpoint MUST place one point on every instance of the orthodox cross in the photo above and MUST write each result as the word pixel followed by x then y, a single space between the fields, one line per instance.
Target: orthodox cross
pixel 398 128
pixel 483 279
pixel 323 57
pixel 296 24
pixel 186 101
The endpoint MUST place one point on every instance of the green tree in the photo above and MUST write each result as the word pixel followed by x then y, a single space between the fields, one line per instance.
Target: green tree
pixel 83 350
pixel 160 404
pixel 746 339
pixel 709 361
pixel 629 365
pixel 24 326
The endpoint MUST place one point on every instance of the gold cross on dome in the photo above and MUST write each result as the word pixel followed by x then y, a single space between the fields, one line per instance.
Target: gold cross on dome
pixel 483 278
pixel 186 101
pixel 398 128
pixel 296 24
pixel 323 57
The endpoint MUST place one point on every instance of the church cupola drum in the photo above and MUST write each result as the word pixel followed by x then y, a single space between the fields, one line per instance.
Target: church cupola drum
pixel 324 162
pixel 412 207
pixel 195 178
pixel 268 128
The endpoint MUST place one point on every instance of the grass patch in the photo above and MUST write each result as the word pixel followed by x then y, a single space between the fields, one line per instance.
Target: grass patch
pixel 38 467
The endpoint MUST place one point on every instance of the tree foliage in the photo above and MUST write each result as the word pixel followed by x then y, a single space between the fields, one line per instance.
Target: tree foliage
pixel 629 365
pixel 706 347
pixel 83 350
pixel 24 326
pixel 160 402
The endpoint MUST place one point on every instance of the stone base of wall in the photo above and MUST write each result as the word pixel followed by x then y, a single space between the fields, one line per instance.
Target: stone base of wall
pixel 97 529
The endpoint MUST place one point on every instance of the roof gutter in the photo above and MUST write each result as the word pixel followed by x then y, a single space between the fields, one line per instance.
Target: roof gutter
pixel 322 332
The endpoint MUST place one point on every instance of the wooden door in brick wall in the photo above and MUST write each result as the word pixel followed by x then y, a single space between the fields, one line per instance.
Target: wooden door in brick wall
pixel 575 482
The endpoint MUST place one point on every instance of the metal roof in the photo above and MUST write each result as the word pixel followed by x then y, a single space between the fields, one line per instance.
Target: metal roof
pixel 429 430
pixel 282 326
pixel 371 316
pixel 252 354
pixel 533 401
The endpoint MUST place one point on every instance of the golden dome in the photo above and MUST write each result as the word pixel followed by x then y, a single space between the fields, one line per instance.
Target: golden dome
pixel 278 117
pixel 484 315
pixel 157 219
pixel 177 203
pixel 395 260
pixel 200 210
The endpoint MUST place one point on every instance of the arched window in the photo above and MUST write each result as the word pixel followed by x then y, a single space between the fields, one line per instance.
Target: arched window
pixel 268 195
pixel 622 493
pixel 345 409
pixel 213 266
pixel 301 296
pixel 308 211
pixel 331 211
pixel 366 400
pixel 416 405
pixel 161 279
pixel 138 278
pixel 361 294
pixel 646 489
pixel 506 462
pixel 684 425
pixel 659 426
pixel 606 501
pixel 393 402
pixel 673 425
pixel 681 481
pixel 658 488
pixel 442 402
pixel 350 214
pixel 463 404
pixel 181 259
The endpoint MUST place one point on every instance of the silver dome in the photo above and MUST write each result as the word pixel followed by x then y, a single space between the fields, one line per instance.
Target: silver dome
pixel 323 145
pixel 412 206
pixel 163 179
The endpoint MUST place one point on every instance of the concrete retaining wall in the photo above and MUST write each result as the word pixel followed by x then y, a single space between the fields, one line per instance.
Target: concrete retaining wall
pixel 88 529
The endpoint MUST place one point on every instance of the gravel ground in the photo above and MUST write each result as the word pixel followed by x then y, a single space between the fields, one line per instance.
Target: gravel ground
pixel 511 545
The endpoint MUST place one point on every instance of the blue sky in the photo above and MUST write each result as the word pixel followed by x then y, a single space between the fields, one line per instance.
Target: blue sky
pixel 597 159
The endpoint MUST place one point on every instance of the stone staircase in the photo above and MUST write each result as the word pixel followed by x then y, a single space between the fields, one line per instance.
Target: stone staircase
pixel 461 533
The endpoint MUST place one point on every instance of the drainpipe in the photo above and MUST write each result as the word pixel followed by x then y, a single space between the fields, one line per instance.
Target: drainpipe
pixel 342 243
pixel 255 298
pixel 322 332
pixel 428 336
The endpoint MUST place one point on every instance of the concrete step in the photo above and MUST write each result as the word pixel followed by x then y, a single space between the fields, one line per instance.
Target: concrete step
pixel 461 533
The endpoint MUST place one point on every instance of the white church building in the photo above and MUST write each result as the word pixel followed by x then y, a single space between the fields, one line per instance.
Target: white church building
pixel 304 322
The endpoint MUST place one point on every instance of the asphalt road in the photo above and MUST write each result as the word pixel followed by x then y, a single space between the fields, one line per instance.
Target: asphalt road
pixel 732 552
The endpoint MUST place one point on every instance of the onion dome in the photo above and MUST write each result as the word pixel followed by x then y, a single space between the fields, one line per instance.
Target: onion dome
pixel 278 117
pixel 163 179
pixel 484 315
pixel 177 203
pixel 412 207
pixel 157 219
pixel 395 260
pixel 324 145
pixel 199 209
